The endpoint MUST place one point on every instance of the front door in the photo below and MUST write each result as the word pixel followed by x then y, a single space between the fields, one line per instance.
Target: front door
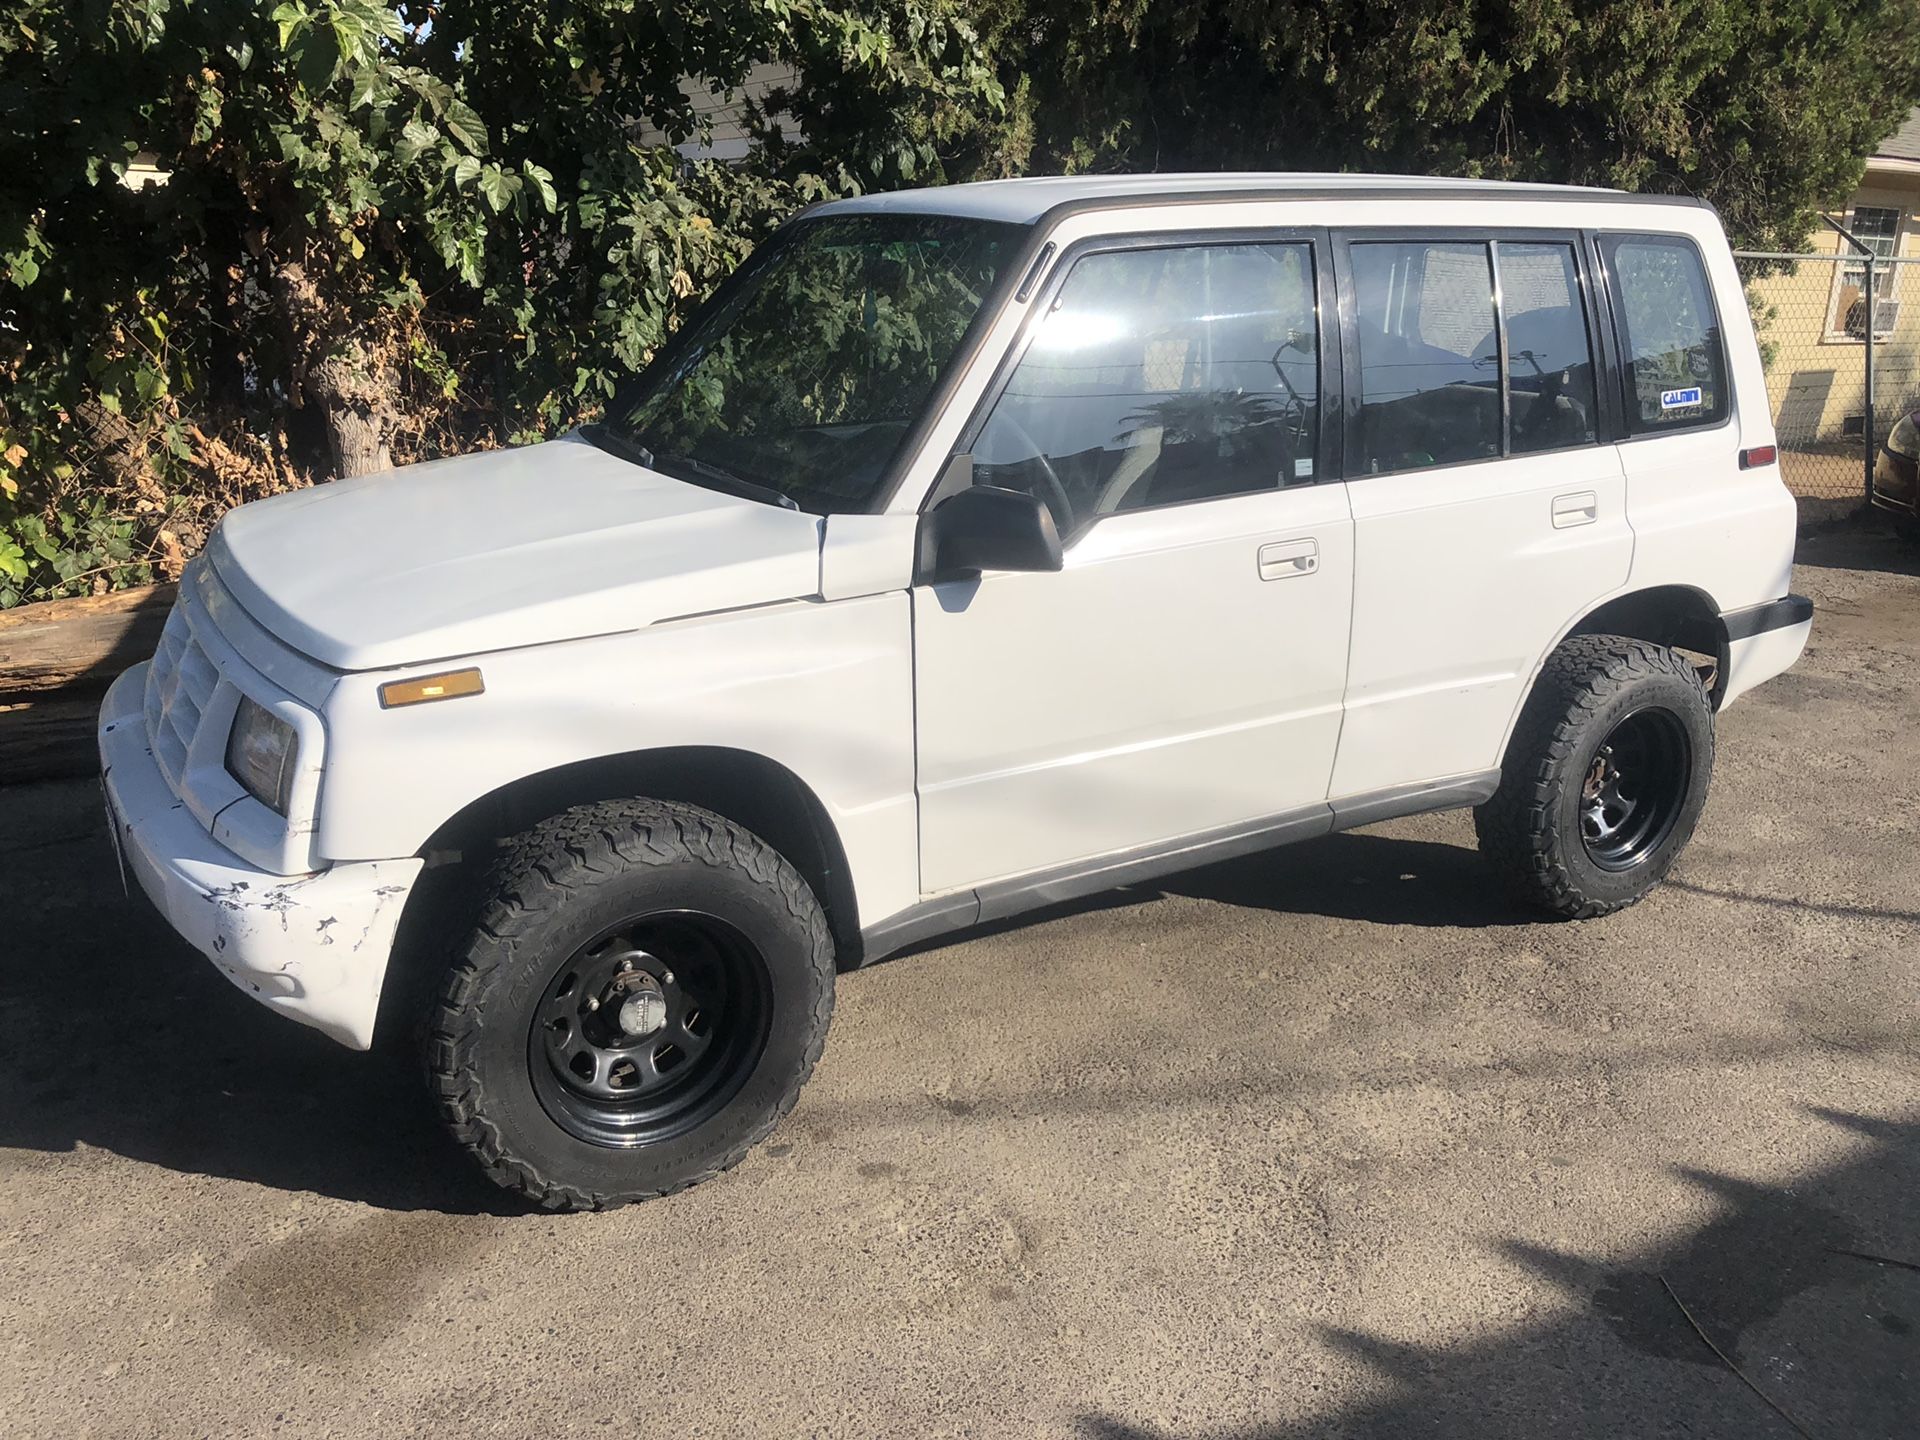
pixel 1489 511
pixel 1183 673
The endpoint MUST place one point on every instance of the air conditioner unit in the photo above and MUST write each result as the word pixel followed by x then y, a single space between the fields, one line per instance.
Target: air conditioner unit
pixel 1886 314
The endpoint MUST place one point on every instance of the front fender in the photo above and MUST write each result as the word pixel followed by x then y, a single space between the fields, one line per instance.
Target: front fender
pixel 824 690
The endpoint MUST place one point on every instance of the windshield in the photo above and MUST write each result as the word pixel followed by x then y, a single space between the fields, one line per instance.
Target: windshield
pixel 798 382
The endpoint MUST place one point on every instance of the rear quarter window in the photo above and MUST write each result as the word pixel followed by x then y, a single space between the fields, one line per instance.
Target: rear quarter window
pixel 1675 358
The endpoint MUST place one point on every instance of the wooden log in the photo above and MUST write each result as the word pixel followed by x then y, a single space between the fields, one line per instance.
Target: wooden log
pixel 49 739
pixel 79 645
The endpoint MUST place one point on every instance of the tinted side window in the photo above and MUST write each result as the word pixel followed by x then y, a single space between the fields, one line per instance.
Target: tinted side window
pixel 1161 376
pixel 1429 357
pixel 1549 359
pixel 1676 365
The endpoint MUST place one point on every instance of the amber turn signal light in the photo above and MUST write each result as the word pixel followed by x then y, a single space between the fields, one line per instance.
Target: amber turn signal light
pixel 447 685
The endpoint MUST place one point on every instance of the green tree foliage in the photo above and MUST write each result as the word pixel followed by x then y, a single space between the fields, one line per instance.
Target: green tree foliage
pixel 387 230
pixel 395 230
pixel 1765 107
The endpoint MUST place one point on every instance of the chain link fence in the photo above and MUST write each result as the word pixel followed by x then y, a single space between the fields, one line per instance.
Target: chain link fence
pixel 1840 338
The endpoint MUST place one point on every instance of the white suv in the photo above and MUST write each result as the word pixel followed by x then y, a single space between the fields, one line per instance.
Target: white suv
pixel 971 549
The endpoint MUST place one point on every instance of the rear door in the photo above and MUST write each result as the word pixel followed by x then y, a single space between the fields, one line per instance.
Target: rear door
pixel 1488 500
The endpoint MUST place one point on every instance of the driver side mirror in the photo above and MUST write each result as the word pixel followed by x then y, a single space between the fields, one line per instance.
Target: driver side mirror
pixel 987 528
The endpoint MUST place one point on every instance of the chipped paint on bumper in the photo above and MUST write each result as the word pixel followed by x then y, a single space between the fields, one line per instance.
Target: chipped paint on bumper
pixel 314 947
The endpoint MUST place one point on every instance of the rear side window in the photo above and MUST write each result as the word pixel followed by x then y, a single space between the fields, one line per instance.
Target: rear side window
pixel 1429 355
pixel 1549 359
pixel 1676 375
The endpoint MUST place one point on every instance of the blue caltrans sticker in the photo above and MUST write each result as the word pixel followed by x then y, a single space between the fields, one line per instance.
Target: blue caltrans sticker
pixel 1680 399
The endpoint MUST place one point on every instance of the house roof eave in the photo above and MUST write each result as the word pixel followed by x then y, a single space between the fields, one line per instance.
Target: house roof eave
pixel 1893 165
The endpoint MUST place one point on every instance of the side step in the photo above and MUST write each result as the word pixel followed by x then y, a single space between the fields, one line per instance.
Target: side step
pixel 1004 899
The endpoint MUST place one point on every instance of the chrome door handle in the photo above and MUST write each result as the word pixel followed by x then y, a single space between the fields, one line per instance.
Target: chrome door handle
pixel 1578 509
pixel 1284 559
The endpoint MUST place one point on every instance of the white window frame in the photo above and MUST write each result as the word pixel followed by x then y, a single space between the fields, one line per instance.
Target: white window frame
pixel 1887 282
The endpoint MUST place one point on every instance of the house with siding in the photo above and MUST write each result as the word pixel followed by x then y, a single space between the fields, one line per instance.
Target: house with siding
pixel 1813 316
pixel 720 115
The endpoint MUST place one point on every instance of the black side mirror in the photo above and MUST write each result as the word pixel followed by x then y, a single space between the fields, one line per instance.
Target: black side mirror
pixel 987 528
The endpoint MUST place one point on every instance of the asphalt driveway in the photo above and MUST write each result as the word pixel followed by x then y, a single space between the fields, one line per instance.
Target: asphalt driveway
pixel 1329 1141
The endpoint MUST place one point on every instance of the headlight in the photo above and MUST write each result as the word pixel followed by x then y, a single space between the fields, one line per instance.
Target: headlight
pixel 1904 439
pixel 260 755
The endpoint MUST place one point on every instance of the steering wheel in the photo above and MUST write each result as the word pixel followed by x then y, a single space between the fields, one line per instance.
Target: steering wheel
pixel 1056 496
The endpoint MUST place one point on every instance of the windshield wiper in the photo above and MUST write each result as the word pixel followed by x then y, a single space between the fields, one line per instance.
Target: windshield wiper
pixel 615 443
pixel 726 480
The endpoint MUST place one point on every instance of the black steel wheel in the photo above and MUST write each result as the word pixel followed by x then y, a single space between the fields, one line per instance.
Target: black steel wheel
pixel 649 1028
pixel 1635 788
pixel 646 991
pixel 1604 778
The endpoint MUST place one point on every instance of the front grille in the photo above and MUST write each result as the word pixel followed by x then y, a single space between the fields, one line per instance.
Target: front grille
pixel 209 656
pixel 180 686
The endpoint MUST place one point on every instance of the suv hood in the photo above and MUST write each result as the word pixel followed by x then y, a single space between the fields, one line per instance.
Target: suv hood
pixel 502 549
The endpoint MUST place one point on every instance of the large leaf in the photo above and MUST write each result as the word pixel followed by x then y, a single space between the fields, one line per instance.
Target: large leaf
pixel 465 126
pixel 349 33
pixel 434 91
pixel 499 187
pixel 384 21
pixel 542 182
pixel 291 19
pixel 316 54
pixel 415 137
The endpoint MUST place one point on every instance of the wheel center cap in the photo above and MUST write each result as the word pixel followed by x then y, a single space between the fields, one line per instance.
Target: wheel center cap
pixel 643 1012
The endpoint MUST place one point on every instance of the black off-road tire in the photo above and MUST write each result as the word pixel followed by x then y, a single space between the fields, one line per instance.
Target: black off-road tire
pixel 1531 829
pixel 551 891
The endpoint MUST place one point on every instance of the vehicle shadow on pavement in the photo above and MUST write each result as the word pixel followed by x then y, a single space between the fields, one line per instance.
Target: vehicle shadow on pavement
pixel 1799 1300
pixel 1381 879
pixel 120 1037
pixel 1862 545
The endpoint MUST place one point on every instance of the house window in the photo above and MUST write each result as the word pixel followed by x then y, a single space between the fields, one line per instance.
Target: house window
pixel 1878 228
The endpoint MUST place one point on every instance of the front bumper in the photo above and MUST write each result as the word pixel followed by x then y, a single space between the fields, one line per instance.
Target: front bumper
pixel 314 947
pixel 1896 483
